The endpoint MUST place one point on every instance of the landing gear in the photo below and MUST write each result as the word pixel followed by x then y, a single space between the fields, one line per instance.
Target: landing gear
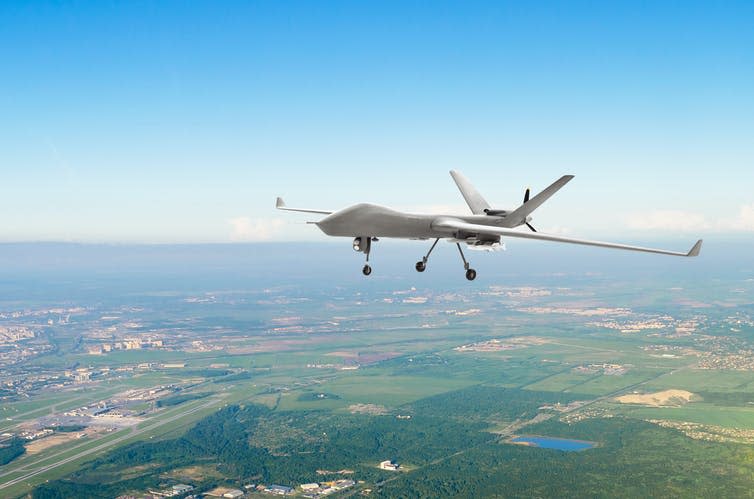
pixel 470 273
pixel 421 266
pixel 364 245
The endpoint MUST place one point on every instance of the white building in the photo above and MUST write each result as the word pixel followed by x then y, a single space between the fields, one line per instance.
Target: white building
pixel 389 465
pixel 181 488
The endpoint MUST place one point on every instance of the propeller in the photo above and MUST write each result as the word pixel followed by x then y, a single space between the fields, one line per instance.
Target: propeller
pixel 526 198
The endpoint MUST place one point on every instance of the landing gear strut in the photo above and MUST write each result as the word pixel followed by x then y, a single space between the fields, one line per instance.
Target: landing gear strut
pixel 364 245
pixel 421 266
pixel 470 273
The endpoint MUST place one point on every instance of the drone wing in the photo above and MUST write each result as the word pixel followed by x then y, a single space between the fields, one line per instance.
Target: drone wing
pixel 280 205
pixel 462 230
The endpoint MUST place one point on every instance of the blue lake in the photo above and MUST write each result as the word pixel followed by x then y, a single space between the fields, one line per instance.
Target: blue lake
pixel 554 443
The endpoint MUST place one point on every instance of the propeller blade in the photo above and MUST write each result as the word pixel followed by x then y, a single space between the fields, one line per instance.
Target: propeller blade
pixel 526 195
pixel 532 228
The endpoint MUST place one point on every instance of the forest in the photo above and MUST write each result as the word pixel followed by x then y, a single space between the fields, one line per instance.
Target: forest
pixel 11 449
pixel 446 448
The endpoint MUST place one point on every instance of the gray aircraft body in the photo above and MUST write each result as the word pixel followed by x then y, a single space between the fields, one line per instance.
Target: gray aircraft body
pixel 483 229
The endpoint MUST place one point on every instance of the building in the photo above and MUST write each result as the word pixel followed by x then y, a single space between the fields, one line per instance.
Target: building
pixel 132 343
pixel 233 493
pixel 389 465
pixel 182 488
pixel 309 486
pixel 82 376
pixel 280 490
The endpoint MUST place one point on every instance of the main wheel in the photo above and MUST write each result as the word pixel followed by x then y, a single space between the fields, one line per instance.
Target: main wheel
pixel 366 270
pixel 421 266
pixel 471 274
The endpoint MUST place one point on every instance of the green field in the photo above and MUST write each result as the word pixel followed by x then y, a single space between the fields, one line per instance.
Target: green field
pixel 695 380
pixel 695 412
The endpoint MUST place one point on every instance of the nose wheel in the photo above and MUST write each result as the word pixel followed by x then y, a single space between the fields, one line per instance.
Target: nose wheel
pixel 471 274
pixel 363 244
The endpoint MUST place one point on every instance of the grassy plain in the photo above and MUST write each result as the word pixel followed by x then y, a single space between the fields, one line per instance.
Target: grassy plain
pixel 695 412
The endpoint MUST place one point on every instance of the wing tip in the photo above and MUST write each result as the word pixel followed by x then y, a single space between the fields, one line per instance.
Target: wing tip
pixel 694 251
pixel 279 203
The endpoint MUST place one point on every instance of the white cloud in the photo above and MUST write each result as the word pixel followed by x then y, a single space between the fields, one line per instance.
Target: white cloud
pixel 672 220
pixel 260 229
pixel 683 221
pixel 745 219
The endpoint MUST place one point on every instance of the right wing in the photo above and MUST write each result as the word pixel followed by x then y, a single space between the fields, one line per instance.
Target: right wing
pixel 280 205
pixel 461 230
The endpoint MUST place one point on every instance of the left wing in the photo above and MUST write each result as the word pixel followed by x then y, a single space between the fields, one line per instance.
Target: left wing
pixel 461 230
pixel 518 216
pixel 280 205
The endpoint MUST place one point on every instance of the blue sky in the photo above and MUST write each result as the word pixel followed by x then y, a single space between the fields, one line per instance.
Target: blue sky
pixel 181 121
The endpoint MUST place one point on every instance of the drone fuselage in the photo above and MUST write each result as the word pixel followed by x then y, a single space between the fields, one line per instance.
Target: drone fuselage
pixel 378 221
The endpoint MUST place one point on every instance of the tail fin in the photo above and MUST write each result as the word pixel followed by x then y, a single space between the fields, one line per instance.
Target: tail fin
pixel 518 216
pixel 475 200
